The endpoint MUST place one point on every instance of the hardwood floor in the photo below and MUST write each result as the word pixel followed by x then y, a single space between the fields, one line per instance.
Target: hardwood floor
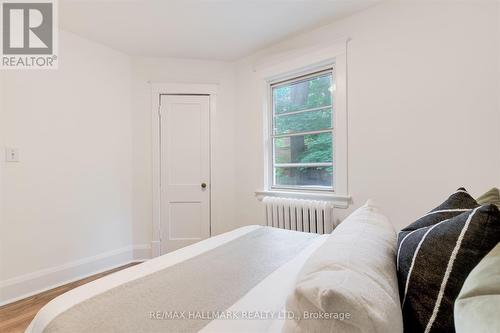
pixel 15 317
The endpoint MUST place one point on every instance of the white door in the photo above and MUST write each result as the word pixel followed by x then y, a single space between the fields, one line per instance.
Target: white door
pixel 185 170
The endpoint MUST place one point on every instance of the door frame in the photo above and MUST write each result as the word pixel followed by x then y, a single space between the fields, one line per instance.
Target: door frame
pixel 158 89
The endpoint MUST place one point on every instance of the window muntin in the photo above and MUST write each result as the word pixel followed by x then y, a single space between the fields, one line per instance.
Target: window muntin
pixel 302 132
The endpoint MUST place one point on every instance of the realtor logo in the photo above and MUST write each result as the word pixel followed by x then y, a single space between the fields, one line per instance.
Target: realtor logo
pixel 28 35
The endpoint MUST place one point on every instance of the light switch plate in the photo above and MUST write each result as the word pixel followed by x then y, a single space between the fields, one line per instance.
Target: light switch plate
pixel 11 155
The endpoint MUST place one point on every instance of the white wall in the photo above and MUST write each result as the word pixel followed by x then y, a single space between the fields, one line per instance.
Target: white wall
pixel 423 106
pixel 2 140
pixel 69 199
pixel 164 70
pixel 83 189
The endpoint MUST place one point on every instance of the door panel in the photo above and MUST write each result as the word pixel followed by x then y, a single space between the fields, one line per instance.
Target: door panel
pixel 185 165
pixel 184 139
pixel 188 224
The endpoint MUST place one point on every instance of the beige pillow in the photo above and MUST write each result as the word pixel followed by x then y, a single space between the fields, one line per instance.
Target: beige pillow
pixel 477 308
pixel 490 197
pixel 349 284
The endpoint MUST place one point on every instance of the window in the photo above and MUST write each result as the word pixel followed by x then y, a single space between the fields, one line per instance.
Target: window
pixel 304 104
pixel 302 132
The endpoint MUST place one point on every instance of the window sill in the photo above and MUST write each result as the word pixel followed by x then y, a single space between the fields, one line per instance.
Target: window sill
pixel 338 201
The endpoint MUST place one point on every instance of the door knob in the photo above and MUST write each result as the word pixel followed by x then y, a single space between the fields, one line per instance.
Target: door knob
pixel 203 185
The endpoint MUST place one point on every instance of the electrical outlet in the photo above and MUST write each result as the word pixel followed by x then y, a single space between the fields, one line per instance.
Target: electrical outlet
pixel 11 155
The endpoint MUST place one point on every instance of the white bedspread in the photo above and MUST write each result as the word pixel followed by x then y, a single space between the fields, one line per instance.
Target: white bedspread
pixel 267 298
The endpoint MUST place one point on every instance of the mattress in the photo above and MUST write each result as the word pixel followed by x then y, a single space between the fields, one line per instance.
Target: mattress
pixel 233 282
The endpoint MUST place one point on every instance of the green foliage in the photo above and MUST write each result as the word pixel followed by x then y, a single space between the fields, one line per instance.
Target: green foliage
pixel 301 122
pixel 319 148
pixel 314 148
pixel 303 95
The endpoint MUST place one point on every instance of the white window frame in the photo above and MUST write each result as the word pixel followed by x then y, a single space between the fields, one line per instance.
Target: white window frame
pixel 303 62
pixel 272 136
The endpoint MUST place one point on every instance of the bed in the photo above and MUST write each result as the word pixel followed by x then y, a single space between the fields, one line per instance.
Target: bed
pixel 233 282
pixel 264 279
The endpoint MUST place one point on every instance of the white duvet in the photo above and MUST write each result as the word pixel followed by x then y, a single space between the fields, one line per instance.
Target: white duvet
pixel 265 302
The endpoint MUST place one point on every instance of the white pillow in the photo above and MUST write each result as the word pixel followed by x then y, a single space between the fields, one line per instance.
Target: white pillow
pixel 477 307
pixel 351 276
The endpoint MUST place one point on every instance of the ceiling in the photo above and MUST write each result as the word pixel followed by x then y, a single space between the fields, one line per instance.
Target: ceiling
pixel 200 29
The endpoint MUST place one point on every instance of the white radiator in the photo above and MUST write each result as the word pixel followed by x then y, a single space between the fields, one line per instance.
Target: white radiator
pixel 301 215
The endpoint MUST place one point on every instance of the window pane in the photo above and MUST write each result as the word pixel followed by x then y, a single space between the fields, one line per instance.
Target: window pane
pixel 310 148
pixel 308 176
pixel 307 94
pixel 301 122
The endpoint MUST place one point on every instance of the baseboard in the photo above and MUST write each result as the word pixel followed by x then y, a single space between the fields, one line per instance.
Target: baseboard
pixel 142 252
pixel 155 249
pixel 33 283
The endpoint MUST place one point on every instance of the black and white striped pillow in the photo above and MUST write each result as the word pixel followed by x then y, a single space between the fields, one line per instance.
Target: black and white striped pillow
pixel 456 204
pixel 435 255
